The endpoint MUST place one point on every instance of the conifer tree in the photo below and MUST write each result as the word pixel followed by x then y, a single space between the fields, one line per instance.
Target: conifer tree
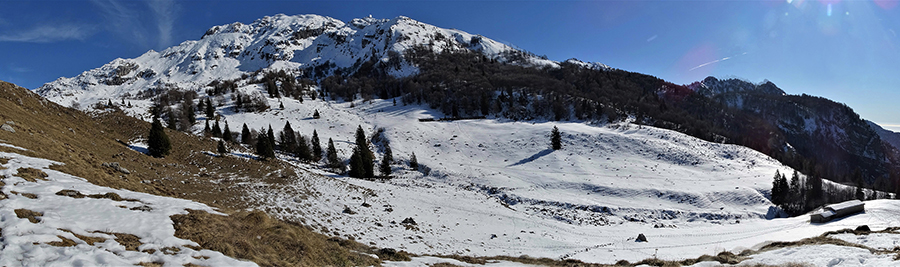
pixel 356 164
pixel 226 134
pixel 271 138
pixel 303 152
pixel 210 110
pixel 332 159
pixel 316 114
pixel 187 108
pixel 365 155
pixel 316 147
pixel 245 135
pixel 385 166
pixel 158 142
pixel 264 147
pixel 170 121
pixel 555 139
pixel 216 130
pixel 795 198
pixel 776 189
pixel 289 140
pixel 413 162
pixel 221 148
pixel 206 130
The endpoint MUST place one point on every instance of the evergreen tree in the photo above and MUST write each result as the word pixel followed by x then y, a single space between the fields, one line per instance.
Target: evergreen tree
pixel 303 152
pixel 210 110
pixel 385 166
pixel 187 109
pixel 264 147
pixel 221 148
pixel 170 121
pixel 555 139
pixel 271 138
pixel 245 135
pixel 216 130
pixel 316 114
pixel 795 197
pixel 226 134
pixel 158 142
pixel 332 159
pixel 289 140
pixel 365 155
pixel 206 130
pixel 356 165
pixel 413 162
pixel 316 147
pixel 777 194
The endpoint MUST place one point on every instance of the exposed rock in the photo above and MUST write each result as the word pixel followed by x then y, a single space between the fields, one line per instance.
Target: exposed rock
pixel 641 238
pixel 8 128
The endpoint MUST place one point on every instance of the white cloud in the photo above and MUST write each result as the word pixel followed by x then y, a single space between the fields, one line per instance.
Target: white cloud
pixel 48 34
pixel 122 20
pixel 165 12
pixel 134 23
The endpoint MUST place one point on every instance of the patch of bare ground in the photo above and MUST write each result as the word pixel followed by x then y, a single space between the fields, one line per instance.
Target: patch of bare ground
pixel 31 174
pixel 28 195
pixel 268 242
pixel 32 216
pixel 90 240
pixel 65 242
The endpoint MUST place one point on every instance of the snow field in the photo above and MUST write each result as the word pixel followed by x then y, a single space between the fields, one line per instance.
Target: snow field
pixel 145 216
pixel 494 187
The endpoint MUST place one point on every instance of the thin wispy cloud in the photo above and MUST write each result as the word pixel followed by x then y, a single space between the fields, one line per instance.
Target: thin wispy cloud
pixel 165 12
pixel 133 22
pixel 713 62
pixel 652 38
pixel 48 34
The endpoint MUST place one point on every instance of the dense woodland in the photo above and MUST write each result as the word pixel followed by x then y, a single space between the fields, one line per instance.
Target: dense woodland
pixel 468 84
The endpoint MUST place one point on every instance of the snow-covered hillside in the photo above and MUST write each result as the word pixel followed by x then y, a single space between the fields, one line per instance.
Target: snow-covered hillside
pixel 493 187
pixel 305 45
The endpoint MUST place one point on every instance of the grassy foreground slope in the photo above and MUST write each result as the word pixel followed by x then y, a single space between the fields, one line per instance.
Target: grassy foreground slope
pixel 85 142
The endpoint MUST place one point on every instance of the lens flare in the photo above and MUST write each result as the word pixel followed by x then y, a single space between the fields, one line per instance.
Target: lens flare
pixel 886 4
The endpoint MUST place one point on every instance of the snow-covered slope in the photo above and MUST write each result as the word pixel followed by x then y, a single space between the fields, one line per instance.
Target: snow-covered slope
pixel 493 187
pixel 110 227
pixel 304 45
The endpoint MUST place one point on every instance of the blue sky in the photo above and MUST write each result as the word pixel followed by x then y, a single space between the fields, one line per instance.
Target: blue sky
pixel 848 51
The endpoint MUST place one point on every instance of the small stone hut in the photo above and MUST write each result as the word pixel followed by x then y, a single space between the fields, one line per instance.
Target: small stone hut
pixel 838 210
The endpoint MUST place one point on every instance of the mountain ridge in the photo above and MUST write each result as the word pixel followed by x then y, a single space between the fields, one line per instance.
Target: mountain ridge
pixel 316 48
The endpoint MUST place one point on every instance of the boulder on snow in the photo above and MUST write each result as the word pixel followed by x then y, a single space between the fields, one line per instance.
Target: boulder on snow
pixel 863 228
pixel 641 238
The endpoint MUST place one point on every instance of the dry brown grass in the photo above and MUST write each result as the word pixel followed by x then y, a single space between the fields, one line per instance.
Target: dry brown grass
pixel 64 243
pixel 257 237
pixel 84 142
pixel 90 240
pixel 31 215
pixel 31 174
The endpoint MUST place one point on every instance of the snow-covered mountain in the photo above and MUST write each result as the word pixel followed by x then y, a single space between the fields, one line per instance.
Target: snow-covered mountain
pixel 304 45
